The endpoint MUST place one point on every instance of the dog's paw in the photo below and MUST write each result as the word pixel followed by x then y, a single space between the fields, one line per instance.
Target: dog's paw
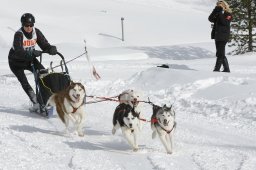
pixel 113 131
pixel 154 135
pixel 169 152
pixel 81 134
pixel 135 149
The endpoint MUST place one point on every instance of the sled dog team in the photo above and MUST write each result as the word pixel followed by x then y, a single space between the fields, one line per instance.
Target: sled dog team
pixel 127 116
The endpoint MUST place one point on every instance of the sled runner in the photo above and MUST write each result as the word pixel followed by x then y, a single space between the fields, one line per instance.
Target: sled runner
pixel 48 82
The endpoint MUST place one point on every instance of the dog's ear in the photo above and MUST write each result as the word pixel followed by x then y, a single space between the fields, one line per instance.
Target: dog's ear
pixel 82 86
pixel 71 83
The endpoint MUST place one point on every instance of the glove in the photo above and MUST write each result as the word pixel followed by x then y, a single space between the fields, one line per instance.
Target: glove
pixel 36 53
pixel 52 50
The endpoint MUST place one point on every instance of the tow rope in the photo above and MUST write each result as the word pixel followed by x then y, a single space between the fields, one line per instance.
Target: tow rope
pixel 112 99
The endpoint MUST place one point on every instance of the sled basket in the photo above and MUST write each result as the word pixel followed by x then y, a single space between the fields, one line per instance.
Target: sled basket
pixel 52 83
pixel 49 83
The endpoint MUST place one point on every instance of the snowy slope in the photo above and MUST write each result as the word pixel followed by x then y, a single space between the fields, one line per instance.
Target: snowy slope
pixel 216 118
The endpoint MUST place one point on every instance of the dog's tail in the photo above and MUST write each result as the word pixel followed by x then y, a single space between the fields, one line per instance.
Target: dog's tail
pixel 54 100
pixel 60 112
pixel 50 101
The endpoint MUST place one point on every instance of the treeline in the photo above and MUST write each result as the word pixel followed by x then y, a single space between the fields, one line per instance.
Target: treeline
pixel 243 26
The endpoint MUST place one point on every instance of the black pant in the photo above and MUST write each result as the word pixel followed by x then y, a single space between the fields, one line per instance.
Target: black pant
pixel 221 57
pixel 18 71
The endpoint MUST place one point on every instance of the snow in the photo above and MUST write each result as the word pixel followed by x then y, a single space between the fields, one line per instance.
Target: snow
pixel 216 119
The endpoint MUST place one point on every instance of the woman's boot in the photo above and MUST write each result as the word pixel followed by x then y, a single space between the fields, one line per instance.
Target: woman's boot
pixel 225 65
pixel 218 64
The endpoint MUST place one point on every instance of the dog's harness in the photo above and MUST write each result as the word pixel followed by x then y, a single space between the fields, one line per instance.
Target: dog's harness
pixel 156 122
pixel 75 109
pixel 168 131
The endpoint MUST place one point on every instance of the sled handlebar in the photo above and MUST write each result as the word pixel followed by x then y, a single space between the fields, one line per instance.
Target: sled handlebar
pixel 62 58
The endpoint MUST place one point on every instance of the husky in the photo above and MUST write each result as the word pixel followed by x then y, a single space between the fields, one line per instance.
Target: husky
pixel 132 98
pixel 126 118
pixel 163 123
pixel 70 105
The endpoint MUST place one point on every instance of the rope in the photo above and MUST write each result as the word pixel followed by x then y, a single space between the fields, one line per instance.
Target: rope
pixel 116 100
pixel 153 120
pixel 111 99
pixel 105 98
pixel 98 101
pixel 70 60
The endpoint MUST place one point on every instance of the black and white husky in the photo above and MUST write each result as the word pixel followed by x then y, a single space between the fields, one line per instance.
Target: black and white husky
pixel 126 118
pixel 163 123
pixel 132 98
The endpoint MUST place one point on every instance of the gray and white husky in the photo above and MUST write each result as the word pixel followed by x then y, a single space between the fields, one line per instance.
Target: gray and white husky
pixel 126 118
pixel 163 123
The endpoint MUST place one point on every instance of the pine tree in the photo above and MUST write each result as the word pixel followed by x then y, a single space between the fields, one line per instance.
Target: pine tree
pixel 243 26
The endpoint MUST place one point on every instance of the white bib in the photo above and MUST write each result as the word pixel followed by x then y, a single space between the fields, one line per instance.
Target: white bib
pixel 29 44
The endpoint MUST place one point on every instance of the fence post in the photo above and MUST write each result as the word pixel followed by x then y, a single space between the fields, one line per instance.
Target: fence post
pixel 122 23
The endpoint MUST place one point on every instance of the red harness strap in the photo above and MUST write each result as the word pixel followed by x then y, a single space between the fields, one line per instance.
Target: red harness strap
pixel 154 120
pixel 75 109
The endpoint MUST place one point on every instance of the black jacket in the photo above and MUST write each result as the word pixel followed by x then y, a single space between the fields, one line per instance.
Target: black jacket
pixel 221 27
pixel 17 55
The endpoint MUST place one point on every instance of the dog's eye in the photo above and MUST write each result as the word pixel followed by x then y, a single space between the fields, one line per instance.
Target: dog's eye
pixel 133 118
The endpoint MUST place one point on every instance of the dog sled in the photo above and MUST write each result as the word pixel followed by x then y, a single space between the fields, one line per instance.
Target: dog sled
pixel 47 82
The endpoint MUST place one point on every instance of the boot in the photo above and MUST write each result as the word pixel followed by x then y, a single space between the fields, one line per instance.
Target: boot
pixel 35 108
pixel 218 64
pixel 32 96
pixel 225 65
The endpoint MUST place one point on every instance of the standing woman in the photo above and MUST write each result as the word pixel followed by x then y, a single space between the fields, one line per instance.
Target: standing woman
pixel 221 17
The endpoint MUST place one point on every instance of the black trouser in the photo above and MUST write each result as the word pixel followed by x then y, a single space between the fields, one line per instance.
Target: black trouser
pixel 221 57
pixel 18 71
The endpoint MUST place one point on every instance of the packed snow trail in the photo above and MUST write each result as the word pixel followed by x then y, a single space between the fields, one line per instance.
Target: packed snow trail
pixel 208 134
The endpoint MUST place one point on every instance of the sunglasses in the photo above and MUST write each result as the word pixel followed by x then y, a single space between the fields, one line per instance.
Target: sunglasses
pixel 28 25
